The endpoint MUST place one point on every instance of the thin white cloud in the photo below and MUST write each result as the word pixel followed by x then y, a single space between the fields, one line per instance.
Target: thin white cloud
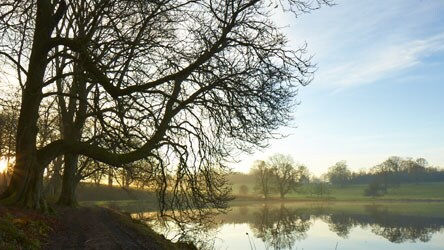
pixel 360 42
pixel 380 63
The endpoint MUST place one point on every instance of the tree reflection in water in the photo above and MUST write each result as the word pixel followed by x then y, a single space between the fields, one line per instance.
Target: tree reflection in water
pixel 394 227
pixel 340 223
pixel 399 229
pixel 282 226
pixel 187 227
pixel 279 227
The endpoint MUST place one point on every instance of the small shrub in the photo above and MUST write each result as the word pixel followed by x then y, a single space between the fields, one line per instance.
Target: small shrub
pixel 375 188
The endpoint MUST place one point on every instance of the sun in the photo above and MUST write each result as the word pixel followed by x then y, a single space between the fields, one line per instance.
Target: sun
pixel 3 165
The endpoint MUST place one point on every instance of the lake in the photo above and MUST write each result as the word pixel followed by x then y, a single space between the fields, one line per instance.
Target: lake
pixel 294 225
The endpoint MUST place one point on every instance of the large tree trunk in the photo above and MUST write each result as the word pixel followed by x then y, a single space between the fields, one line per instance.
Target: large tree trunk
pixel 70 181
pixel 25 187
pixel 26 181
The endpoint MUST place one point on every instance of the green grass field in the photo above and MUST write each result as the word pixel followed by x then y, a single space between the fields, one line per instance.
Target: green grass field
pixel 433 191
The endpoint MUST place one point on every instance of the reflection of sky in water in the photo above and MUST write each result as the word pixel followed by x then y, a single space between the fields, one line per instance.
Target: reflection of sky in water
pixel 321 227
pixel 319 236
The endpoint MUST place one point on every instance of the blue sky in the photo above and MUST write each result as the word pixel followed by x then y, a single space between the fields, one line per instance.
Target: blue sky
pixel 378 90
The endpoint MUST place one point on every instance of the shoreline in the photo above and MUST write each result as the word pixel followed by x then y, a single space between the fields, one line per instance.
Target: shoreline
pixel 331 199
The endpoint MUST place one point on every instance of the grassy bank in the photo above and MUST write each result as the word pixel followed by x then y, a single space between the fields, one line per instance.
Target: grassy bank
pixel 432 191
pixel 24 229
pixel 424 192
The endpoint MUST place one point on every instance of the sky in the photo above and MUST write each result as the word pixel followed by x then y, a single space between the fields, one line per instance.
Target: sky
pixel 378 90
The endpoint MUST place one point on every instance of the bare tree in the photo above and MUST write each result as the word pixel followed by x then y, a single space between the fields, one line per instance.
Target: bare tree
pixel 339 174
pixel 287 176
pixel 178 83
pixel 264 178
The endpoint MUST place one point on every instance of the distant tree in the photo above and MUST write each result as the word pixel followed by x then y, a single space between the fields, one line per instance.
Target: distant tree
pixel 375 188
pixel 243 190
pixel 422 162
pixel 388 171
pixel 264 176
pixel 396 170
pixel 419 169
pixel 286 176
pixel 339 174
pixel 95 172
pixel 321 188
pixel 415 168
pixel 304 174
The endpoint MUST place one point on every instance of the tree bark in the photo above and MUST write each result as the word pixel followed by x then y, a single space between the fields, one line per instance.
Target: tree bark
pixel 70 181
pixel 25 187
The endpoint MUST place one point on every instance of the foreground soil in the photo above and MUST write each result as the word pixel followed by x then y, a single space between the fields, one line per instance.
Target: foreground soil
pixel 78 228
pixel 101 228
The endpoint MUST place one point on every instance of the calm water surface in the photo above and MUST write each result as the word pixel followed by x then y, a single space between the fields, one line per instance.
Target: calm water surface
pixel 315 226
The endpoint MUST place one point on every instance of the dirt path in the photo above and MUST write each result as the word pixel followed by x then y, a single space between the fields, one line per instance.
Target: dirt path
pixel 96 228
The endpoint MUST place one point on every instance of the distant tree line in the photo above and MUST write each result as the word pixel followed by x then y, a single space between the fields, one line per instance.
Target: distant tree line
pixel 390 173
pixel 279 174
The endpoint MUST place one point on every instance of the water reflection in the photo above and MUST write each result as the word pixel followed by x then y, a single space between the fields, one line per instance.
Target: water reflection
pixel 399 229
pixel 340 223
pixel 392 226
pixel 283 226
pixel 201 231
pixel 279 227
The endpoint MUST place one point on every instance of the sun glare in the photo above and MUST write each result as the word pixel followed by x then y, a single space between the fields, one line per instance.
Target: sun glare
pixel 3 165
